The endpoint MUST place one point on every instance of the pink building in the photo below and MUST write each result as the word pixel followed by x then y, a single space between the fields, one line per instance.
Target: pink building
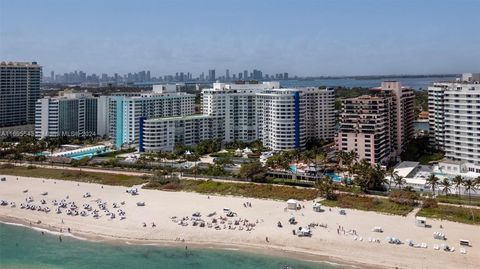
pixel 377 126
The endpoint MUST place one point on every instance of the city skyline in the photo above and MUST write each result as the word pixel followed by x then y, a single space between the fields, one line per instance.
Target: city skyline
pixel 306 39
pixel 79 76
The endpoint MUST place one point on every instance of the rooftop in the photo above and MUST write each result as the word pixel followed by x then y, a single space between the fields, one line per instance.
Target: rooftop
pixel 19 64
pixel 405 168
pixel 190 117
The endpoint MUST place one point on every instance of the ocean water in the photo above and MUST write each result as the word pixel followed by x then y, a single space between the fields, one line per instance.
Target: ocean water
pixel 414 83
pixel 22 247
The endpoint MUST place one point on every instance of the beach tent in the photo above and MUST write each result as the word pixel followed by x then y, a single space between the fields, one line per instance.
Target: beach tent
pixel 421 221
pixel 304 232
pixel 316 207
pixel 293 204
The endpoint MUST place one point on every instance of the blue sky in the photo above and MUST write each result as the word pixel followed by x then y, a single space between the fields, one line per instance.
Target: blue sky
pixel 337 37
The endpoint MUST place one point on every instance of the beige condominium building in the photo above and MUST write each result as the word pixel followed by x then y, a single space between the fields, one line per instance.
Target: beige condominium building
pixel 379 125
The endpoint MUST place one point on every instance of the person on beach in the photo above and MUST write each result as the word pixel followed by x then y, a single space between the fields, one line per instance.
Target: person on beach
pixel 68 229
pixel 60 238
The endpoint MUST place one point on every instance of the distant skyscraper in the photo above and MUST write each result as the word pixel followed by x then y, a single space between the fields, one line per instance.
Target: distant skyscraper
pixel 240 75
pixel 285 75
pixel 148 76
pixel 245 75
pixel 52 76
pixel 257 74
pixel 227 74
pixel 211 74
pixel 19 90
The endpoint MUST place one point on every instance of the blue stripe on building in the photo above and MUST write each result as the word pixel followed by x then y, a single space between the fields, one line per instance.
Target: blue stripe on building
pixel 141 147
pixel 119 123
pixel 296 97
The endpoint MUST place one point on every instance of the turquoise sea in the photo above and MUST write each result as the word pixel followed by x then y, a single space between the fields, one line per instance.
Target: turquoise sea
pixel 22 247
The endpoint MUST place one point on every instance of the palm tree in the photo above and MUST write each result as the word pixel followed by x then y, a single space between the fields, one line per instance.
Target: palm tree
pixel 399 181
pixel 342 157
pixel 457 181
pixel 378 177
pixel 433 181
pixel 446 186
pixel 470 185
pixel 321 158
pixel 326 187
pixel 393 175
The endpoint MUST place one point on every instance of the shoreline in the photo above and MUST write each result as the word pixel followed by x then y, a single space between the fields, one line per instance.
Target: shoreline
pixel 272 251
pixel 334 238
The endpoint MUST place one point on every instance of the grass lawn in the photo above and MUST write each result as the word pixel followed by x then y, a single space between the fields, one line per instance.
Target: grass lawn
pixel 291 182
pixel 454 199
pixel 92 177
pixel 239 189
pixel 368 204
pixel 452 213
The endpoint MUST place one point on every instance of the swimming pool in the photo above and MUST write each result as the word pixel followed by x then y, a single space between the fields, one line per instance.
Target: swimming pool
pixel 79 154
pixel 442 175
pixel 335 177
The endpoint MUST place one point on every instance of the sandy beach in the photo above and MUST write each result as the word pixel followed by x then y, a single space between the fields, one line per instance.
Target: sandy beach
pixel 259 234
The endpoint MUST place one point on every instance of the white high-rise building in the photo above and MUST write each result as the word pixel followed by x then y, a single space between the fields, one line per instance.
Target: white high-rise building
pixel 281 118
pixel 235 102
pixel 103 115
pixel 287 118
pixel 126 111
pixel 454 117
pixel 163 134
pixel 69 114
